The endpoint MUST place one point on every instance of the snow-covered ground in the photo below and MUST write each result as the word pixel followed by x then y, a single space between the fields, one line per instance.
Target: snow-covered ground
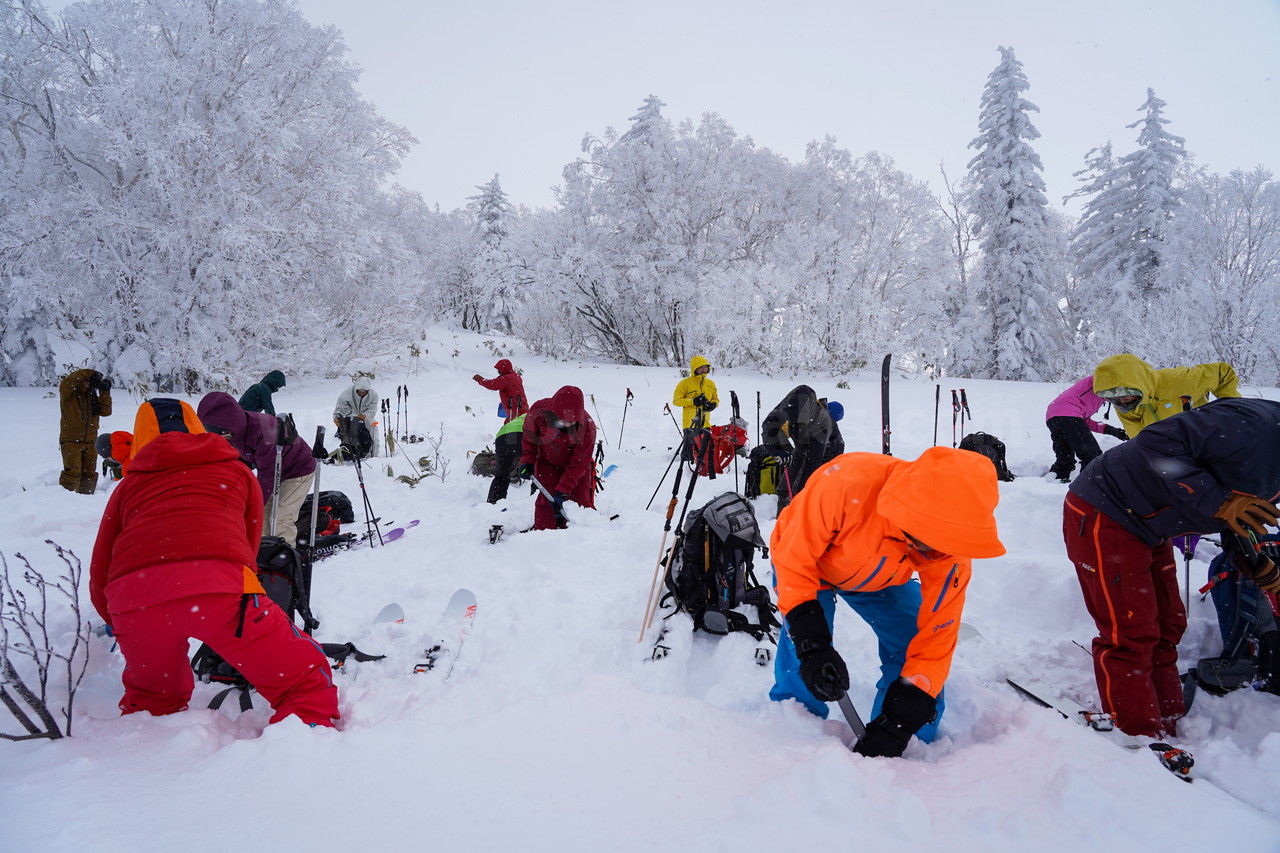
pixel 555 732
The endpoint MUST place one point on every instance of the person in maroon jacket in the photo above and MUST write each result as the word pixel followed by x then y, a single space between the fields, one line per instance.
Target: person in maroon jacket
pixel 254 435
pixel 173 561
pixel 557 448
pixel 510 388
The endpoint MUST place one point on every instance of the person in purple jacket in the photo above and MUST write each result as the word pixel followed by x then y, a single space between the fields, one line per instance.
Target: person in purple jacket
pixel 253 434
pixel 1071 426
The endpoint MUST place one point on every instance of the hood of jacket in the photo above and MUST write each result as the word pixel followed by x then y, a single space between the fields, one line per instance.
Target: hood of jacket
pixel 181 450
pixel 274 380
pixel 504 367
pixel 567 405
pixel 1124 371
pixel 696 362
pixel 221 412
pixel 946 499
pixel 161 416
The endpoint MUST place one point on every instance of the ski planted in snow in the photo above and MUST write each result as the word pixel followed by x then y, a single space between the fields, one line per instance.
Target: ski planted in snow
pixel 885 432
pixel 451 630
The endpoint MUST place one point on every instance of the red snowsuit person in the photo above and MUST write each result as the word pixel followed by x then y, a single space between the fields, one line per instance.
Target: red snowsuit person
pixel 173 561
pixel 510 388
pixel 558 444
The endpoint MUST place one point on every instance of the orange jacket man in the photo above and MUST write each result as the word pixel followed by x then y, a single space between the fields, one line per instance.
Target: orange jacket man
pixel 864 527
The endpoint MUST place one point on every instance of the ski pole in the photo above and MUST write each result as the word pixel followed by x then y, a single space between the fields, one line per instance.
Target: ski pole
pixel 757 418
pixel 733 436
pixel 599 420
pixel 317 453
pixel 399 388
pixel 937 407
pixel 557 508
pixel 651 608
pixel 964 411
pixel 285 433
pixel 667 408
pixel 625 406
pixel 955 413
pixel 666 530
pixel 674 457
pixel 405 437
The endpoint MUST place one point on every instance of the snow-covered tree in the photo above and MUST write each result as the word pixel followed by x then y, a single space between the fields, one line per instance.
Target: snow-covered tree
pixel 1020 331
pixel 194 189
pixel 491 269
pixel 1120 242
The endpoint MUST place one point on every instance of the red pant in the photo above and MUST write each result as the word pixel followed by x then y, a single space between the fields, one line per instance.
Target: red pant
pixel 287 667
pixel 1131 591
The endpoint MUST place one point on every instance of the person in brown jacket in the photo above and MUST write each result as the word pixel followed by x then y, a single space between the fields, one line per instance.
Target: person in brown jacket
pixel 85 396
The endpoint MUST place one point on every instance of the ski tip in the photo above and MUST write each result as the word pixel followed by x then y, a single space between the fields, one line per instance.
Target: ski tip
pixel 391 613
pixel 609 470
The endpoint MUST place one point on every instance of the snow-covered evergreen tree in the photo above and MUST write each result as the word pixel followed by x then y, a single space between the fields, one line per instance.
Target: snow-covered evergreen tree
pixel 1019 281
pixel 491 278
pixel 1119 244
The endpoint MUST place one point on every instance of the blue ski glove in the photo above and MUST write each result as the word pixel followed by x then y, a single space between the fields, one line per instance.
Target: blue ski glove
pixel 525 471
pixel 558 499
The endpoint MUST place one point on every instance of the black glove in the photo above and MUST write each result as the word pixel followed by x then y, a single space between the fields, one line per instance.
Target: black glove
pixel 558 499
pixel 1115 432
pixel 821 668
pixel 702 402
pixel 783 455
pixel 525 471
pixel 1255 566
pixel 906 708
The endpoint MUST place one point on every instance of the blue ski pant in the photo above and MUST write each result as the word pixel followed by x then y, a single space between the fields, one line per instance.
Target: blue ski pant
pixel 892 614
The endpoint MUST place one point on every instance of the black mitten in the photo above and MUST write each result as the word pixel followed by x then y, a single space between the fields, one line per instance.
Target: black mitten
pixel 821 668
pixel 905 710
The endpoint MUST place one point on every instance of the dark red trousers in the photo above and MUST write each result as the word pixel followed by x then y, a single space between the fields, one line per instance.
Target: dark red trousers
pixel 287 667
pixel 1131 591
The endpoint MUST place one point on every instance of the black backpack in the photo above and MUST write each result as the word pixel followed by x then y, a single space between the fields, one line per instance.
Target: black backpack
pixel 354 436
pixel 709 573
pixel 334 506
pixel 763 473
pixel 990 447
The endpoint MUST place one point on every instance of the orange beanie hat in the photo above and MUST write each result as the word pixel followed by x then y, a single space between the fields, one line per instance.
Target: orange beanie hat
pixel 160 415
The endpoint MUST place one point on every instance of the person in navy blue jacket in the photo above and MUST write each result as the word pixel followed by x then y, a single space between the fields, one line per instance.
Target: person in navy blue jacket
pixel 1215 469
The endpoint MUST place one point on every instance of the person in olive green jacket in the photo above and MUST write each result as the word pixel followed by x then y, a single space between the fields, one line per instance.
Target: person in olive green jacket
pixel 696 393
pixel 1143 395
pixel 85 396
pixel 258 397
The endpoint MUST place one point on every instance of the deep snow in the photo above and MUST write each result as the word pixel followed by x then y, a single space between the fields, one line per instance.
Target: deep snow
pixel 555 731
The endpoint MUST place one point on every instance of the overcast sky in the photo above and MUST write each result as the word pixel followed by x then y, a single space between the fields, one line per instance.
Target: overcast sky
pixel 512 86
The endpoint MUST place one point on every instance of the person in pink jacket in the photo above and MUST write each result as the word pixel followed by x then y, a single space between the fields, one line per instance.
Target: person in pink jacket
pixel 1071 426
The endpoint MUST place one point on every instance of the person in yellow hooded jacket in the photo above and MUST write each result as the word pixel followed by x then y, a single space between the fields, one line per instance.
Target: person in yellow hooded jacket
pixel 696 393
pixel 1144 395
pixel 864 528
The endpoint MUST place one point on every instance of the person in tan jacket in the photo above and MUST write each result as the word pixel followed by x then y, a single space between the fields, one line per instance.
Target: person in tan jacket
pixel 85 396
